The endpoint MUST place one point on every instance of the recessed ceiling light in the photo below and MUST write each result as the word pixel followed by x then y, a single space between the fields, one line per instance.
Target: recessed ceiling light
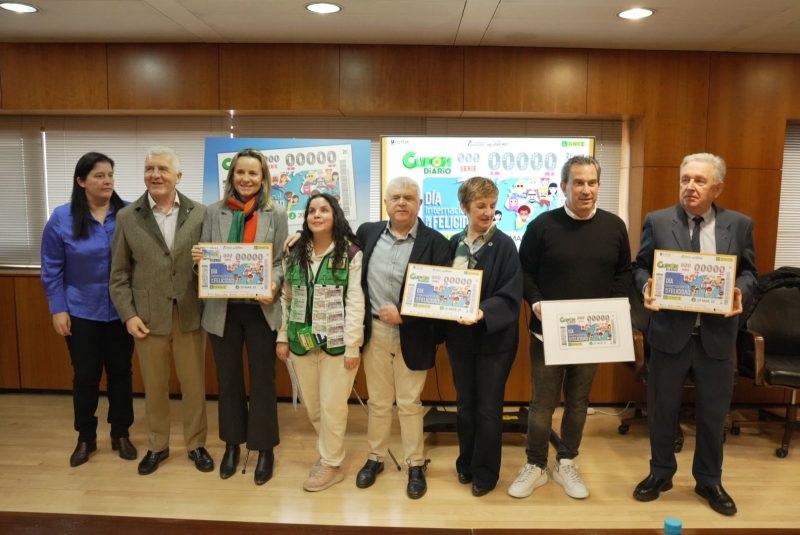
pixel 324 8
pixel 635 13
pixel 18 8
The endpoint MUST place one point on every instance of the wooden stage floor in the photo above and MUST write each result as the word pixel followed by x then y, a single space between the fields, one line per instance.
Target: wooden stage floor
pixel 40 493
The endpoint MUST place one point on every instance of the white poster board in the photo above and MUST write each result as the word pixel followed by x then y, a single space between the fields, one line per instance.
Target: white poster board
pixel 586 331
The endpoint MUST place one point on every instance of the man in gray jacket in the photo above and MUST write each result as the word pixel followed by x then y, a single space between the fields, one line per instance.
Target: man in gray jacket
pixel 687 342
pixel 154 289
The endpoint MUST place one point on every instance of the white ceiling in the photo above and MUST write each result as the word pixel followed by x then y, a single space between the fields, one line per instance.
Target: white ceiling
pixel 718 25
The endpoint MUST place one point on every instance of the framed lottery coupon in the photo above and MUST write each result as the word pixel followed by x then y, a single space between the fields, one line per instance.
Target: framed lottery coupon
pixel 238 270
pixel 441 292
pixel 694 282
pixel 586 331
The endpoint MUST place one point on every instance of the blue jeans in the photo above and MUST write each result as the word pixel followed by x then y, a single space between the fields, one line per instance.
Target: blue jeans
pixel 547 381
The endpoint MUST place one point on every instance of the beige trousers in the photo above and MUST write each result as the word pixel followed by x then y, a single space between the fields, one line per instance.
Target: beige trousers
pixel 390 380
pixel 155 355
pixel 325 386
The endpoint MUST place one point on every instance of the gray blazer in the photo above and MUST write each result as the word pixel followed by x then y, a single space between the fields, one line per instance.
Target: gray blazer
pixel 670 330
pixel 272 228
pixel 146 277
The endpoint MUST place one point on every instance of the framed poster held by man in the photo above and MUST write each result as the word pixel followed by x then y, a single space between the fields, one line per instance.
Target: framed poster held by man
pixel 585 331
pixel 441 292
pixel 694 282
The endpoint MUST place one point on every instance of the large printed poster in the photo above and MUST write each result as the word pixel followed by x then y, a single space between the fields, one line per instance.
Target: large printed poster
pixel 298 167
pixel 526 171
pixel 694 282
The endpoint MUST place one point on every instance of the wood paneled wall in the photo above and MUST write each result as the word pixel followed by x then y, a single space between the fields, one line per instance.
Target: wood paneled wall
pixel 44 361
pixel 9 360
pixel 736 105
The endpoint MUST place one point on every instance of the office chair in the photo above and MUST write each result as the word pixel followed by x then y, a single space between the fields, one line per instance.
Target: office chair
pixel 769 352
pixel 640 318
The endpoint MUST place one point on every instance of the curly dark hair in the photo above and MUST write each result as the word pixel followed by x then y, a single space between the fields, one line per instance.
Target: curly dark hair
pixel 342 235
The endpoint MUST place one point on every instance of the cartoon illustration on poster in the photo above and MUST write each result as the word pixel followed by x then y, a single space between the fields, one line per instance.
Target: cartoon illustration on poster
pixel 298 173
pixel 235 270
pixel 526 171
pixel 696 282
pixel 441 292
pixel 588 330
pixel 298 168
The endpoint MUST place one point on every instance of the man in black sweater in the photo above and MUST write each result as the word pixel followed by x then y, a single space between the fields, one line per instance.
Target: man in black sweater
pixel 578 251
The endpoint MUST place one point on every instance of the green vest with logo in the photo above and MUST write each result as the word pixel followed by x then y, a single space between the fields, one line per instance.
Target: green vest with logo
pixel 327 275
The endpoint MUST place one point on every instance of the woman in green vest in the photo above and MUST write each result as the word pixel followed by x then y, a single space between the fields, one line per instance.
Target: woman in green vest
pixel 323 327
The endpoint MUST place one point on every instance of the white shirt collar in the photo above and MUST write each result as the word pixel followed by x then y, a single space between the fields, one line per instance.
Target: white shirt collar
pixel 152 202
pixel 573 215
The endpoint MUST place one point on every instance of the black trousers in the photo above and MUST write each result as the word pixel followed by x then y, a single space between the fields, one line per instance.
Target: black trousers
pixel 257 424
pixel 93 346
pixel 713 380
pixel 480 382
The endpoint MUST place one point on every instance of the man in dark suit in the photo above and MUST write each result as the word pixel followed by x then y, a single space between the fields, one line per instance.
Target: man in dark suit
pixel 684 342
pixel 399 349
pixel 154 289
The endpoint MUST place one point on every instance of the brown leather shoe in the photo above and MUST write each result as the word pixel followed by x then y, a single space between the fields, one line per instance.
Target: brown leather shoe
pixel 82 452
pixel 126 450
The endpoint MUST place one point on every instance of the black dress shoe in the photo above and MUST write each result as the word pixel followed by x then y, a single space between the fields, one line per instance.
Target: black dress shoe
pixel 366 476
pixel 464 478
pixel 266 459
pixel 150 461
pixel 479 490
pixel 417 486
pixel 650 487
pixel 82 451
pixel 126 450
pixel 202 460
pixel 718 499
pixel 229 462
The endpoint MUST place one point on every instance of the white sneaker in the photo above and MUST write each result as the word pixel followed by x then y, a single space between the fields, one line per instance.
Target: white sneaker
pixel 565 473
pixel 530 478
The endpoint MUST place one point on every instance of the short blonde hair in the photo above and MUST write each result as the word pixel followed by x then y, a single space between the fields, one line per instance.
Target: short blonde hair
pixel 475 188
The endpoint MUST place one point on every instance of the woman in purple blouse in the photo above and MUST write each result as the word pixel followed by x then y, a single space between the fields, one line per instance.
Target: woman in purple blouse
pixel 76 260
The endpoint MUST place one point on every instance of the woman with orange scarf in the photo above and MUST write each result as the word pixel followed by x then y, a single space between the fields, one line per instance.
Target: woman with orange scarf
pixel 246 215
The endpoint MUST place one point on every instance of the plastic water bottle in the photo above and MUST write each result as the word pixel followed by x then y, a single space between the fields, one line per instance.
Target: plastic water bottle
pixel 672 526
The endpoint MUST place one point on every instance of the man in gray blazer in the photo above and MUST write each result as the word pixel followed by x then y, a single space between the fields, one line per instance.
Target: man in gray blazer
pixel 687 342
pixel 154 289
